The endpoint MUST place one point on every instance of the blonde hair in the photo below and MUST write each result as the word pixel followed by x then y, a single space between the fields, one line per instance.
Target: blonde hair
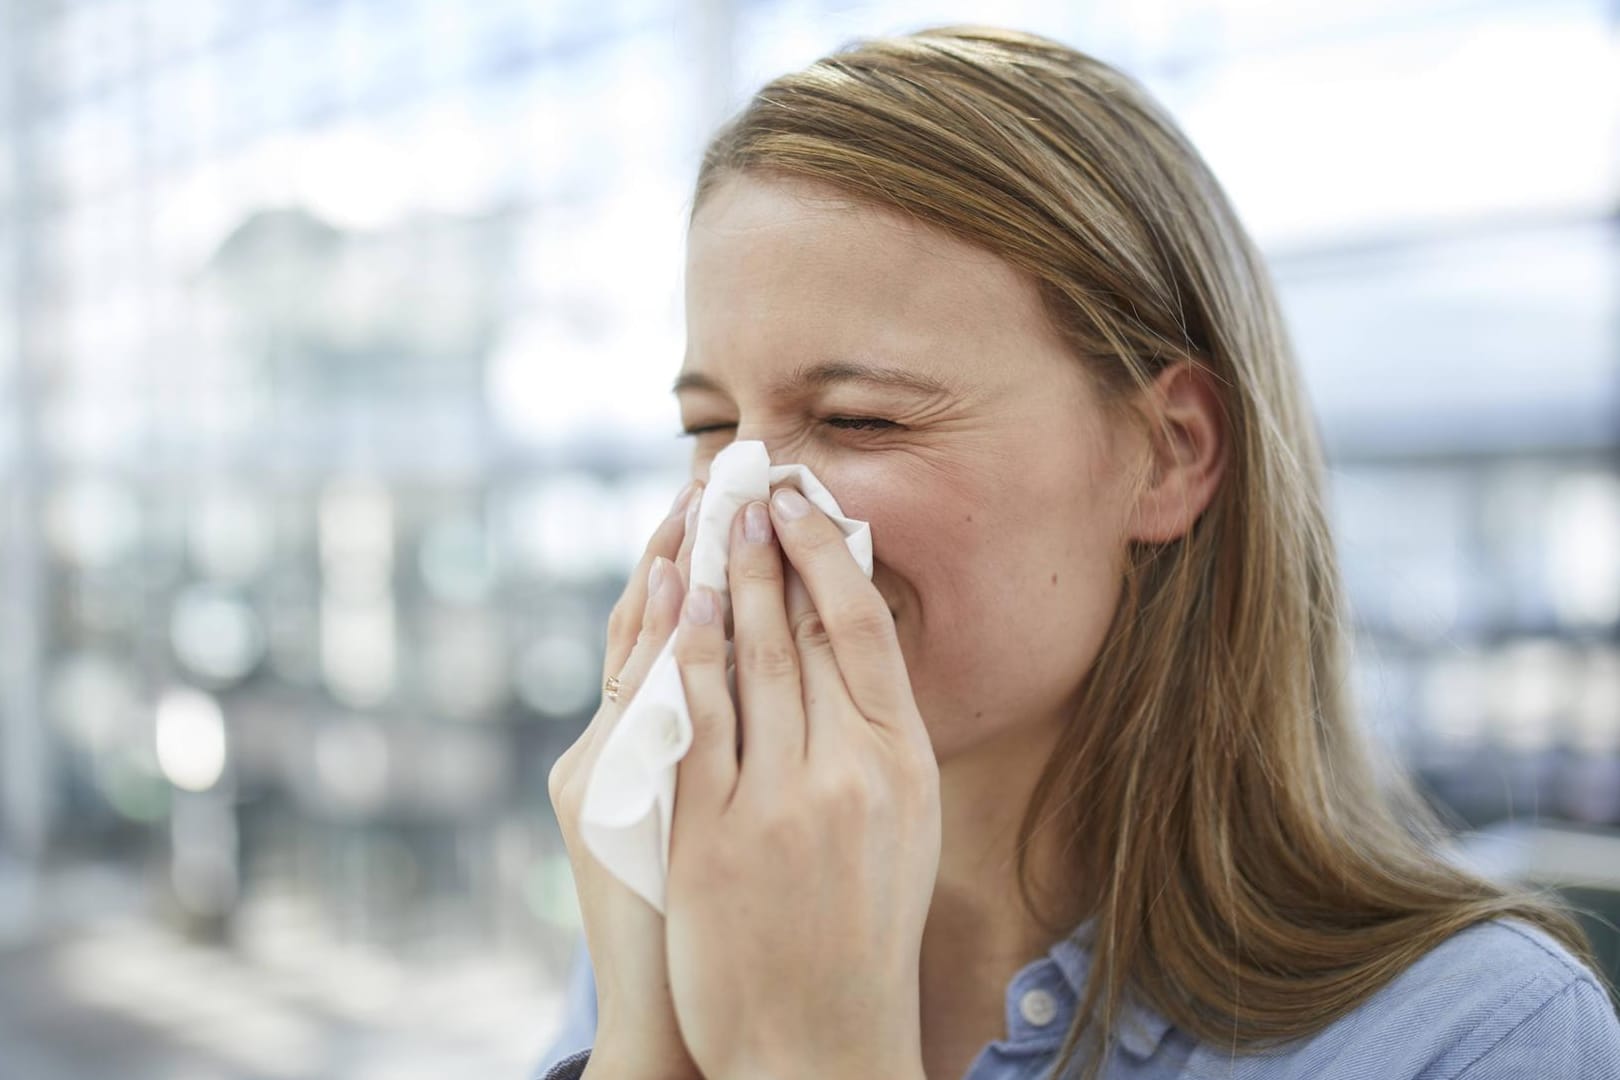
pixel 1252 871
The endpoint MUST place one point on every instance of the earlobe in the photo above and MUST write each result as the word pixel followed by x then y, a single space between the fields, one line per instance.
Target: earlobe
pixel 1186 439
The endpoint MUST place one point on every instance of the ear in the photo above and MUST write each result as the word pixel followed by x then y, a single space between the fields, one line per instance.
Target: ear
pixel 1187 441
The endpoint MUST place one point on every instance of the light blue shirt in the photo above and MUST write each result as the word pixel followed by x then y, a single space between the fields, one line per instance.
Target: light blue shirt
pixel 1498 1001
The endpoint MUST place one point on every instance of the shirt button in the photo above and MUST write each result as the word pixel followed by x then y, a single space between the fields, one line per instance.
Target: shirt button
pixel 1038 1007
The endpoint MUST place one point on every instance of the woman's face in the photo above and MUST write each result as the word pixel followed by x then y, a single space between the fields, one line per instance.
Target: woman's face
pixel 997 499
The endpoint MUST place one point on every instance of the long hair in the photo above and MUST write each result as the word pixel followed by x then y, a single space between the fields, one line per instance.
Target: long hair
pixel 1252 869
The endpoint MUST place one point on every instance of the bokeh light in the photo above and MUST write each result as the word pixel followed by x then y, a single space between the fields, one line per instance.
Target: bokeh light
pixel 190 734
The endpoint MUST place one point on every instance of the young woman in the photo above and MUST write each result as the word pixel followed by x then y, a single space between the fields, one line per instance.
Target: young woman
pixel 1072 783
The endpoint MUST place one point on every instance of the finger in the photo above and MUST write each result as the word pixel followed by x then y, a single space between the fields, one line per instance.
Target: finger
pixel 707 775
pixel 664 592
pixel 769 694
pixel 694 518
pixel 858 624
pixel 624 622
pixel 827 703
pixel 683 557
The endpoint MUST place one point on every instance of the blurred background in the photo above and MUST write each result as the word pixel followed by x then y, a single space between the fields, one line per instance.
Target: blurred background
pixel 334 345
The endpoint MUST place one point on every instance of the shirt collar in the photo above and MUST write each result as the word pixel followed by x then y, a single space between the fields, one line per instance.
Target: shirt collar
pixel 1140 1028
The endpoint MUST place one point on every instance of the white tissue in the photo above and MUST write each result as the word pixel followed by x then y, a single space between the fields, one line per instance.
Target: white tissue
pixel 630 795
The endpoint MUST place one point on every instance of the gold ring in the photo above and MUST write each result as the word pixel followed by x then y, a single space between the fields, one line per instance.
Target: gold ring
pixel 611 688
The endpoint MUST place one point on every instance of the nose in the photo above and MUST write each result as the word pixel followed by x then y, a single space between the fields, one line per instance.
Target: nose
pixel 780 450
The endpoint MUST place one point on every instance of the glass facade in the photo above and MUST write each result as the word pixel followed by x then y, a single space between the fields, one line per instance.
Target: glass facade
pixel 334 339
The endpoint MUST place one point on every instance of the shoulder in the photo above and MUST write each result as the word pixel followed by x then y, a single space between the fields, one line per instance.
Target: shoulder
pixel 1475 1007
pixel 1495 960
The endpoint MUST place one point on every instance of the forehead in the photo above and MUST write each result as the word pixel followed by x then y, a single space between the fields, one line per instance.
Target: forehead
pixel 787 271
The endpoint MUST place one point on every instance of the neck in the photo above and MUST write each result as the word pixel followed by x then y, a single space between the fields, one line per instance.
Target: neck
pixel 978 932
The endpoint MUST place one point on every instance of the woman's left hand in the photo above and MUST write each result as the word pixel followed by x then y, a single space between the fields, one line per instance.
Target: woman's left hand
pixel 805 845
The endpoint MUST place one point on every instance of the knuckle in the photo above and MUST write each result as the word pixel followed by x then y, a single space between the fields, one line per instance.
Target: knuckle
pixel 559 787
pixel 706 719
pixel 687 651
pixel 809 630
pixel 785 831
pixel 555 778
pixel 763 570
pixel 842 790
pixel 771 658
pixel 621 621
pixel 864 619
pixel 692 648
pixel 650 635
pixel 718 868
pixel 822 541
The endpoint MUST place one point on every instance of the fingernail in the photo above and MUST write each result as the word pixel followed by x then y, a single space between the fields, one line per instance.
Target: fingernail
pixel 700 605
pixel 680 500
pixel 655 576
pixel 790 504
pixel 692 512
pixel 756 523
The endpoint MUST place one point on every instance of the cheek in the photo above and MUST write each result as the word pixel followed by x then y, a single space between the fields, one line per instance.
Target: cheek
pixel 1004 593
pixel 939 551
pixel 953 542
pixel 923 527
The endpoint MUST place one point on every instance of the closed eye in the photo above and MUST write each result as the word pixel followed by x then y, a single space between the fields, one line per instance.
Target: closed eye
pixel 846 423
pixel 860 423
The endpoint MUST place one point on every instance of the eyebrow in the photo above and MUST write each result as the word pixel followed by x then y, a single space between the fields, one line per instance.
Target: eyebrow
pixel 828 373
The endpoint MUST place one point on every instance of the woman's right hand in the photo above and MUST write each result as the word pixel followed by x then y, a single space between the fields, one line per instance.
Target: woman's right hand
pixel 636 1033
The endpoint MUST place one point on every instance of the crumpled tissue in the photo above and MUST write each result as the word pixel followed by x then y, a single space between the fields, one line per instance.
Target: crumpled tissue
pixel 630 794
